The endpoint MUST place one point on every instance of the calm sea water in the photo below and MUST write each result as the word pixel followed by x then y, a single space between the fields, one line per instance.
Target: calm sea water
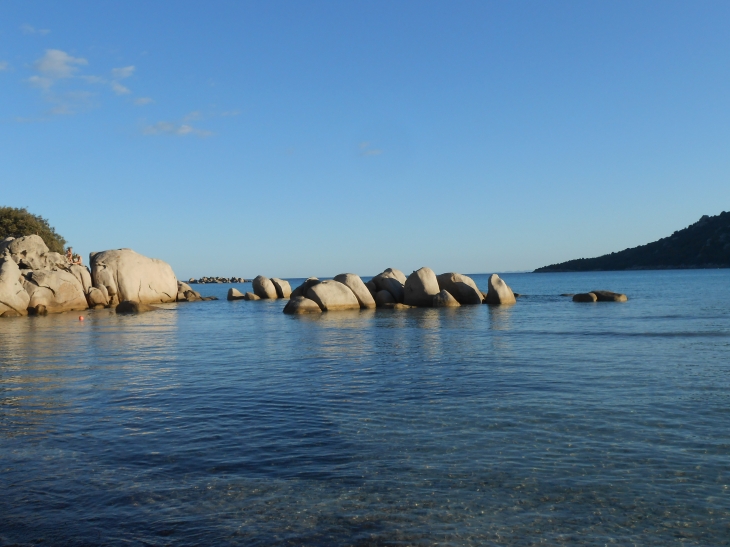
pixel 230 423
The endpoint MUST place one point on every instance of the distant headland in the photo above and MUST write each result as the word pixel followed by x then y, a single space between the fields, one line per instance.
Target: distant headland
pixel 704 244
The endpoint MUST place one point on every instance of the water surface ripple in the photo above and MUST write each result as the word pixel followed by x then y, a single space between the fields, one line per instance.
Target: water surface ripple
pixel 230 423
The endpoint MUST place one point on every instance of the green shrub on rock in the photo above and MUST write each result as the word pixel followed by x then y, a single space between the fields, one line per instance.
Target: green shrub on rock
pixel 19 222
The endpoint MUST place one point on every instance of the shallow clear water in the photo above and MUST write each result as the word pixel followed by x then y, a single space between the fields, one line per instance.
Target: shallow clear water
pixel 230 423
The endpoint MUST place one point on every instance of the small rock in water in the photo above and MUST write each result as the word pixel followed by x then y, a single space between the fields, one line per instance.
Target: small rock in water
pixel 129 306
pixel 585 297
pixel 608 296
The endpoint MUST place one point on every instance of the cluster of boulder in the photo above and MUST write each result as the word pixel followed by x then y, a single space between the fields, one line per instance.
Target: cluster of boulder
pixel 35 281
pixel 264 288
pixel 599 296
pixel 193 281
pixel 392 290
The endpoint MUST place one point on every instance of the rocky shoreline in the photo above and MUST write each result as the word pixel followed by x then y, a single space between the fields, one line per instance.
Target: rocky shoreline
pixel 203 280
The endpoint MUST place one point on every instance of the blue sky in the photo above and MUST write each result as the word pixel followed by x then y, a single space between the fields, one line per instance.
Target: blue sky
pixel 311 138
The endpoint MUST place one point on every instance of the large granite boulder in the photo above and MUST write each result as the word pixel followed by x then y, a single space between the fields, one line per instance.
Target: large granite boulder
pixel 444 299
pixel 13 298
pixel 608 296
pixel 420 288
pixel 332 295
pixel 585 297
pixel 461 287
pixel 302 289
pixel 301 305
pixel 390 273
pixel 264 288
pixel 57 290
pixel 283 289
pixel 499 292
pixel 127 275
pixel 361 292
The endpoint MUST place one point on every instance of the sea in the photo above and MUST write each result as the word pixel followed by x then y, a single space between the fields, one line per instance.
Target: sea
pixel 230 423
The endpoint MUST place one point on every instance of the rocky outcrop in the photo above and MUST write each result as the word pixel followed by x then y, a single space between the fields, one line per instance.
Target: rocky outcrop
pixel 128 275
pixel 57 290
pixel 282 287
pixel 97 297
pixel 264 288
pixel 206 279
pixel 13 298
pixel 444 299
pixel 461 287
pixel 302 289
pixel 235 294
pixel 420 288
pixel 499 292
pixel 585 297
pixel 301 305
pixel 361 292
pixel 332 295
pixel 608 296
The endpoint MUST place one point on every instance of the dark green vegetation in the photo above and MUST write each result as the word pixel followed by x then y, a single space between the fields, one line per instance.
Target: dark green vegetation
pixel 704 244
pixel 19 222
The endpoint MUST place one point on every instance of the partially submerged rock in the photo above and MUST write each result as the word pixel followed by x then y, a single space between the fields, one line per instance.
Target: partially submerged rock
pixel 251 296
pixel 332 295
pixel 358 288
pixel 383 298
pixel 235 294
pixel 264 288
pixel 301 305
pixel 420 288
pixel 608 296
pixel 444 299
pixel 461 287
pixel 499 292
pixel 282 287
pixel 585 297
pixel 130 306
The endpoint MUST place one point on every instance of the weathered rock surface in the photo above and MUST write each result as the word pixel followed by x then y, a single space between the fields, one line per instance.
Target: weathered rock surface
pixel 300 305
pixel 127 275
pixel 394 287
pixel 283 289
pixel 390 273
pixel 97 297
pixel 361 292
pixel 499 292
pixel 302 289
pixel 383 298
pixel 332 295
pixel 251 296
pixel 82 274
pixel 235 294
pixel 444 299
pixel 420 288
pixel 12 294
pixel 130 306
pixel 372 288
pixel 57 290
pixel 461 287
pixel 264 288
pixel 608 296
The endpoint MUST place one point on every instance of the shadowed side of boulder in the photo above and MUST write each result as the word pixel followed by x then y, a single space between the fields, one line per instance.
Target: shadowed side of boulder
pixel 585 297
pixel 444 299
pixel 235 294
pixel 129 306
pixel 358 288
pixel 283 289
pixel 461 287
pixel 608 296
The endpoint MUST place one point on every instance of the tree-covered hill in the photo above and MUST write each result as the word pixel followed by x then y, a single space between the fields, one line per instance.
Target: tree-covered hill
pixel 704 244
pixel 19 222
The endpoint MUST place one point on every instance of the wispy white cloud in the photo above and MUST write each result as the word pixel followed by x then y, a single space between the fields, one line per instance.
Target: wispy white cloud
pixel 119 89
pixel 57 64
pixel 367 150
pixel 4 65
pixel 195 115
pixel 40 82
pixel 141 101
pixel 162 128
pixel 27 29
pixel 121 73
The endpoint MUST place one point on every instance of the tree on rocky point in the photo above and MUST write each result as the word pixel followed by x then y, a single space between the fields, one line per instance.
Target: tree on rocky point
pixel 19 222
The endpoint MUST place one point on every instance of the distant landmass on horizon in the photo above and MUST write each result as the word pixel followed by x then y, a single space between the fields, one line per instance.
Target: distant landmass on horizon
pixel 704 244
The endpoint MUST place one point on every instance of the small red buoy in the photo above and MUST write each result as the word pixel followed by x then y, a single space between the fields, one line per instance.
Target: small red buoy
pixel 81 317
